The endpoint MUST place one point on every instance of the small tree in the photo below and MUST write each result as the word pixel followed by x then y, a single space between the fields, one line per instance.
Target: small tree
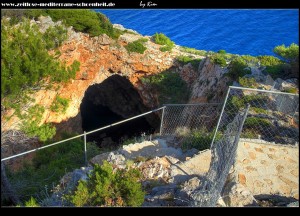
pixel 290 55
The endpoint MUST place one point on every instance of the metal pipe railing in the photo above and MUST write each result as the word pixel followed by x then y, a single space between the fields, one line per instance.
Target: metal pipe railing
pixel 84 134
pixel 261 90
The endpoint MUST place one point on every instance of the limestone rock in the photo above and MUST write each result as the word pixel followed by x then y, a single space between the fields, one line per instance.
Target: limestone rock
pixel 99 158
pixel 161 196
pixel 236 195
pixel 104 40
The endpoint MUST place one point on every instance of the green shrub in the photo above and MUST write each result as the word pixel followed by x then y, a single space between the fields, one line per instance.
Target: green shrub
pixel 30 124
pixel 247 82
pixel 259 110
pixel 48 166
pixel 169 87
pixel 82 20
pixel 222 51
pixel 25 61
pixel 249 134
pixel 219 59
pixel 60 105
pixel 274 66
pixel 54 36
pixel 162 39
pixel 199 139
pixel 128 141
pixel 142 40
pixel 136 46
pixel 253 100
pixel 31 203
pixel 238 68
pixel 187 59
pixel 257 122
pixel 193 51
pixel 250 60
pixel 109 187
pixel 290 56
pixel 292 90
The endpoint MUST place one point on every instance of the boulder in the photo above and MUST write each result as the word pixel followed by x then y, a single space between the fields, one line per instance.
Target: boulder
pixel 236 195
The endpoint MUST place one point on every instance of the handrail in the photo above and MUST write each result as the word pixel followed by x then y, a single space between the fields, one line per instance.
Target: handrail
pixel 80 135
pixel 262 90
pixel 191 104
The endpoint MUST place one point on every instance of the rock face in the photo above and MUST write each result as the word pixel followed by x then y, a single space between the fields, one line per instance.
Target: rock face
pixel 99 57
pixel 211 84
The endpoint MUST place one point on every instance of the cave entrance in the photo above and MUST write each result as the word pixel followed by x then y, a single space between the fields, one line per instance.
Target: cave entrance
pixel 113 100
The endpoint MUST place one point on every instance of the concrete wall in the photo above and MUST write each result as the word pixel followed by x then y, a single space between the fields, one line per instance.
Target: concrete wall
pixel 266 168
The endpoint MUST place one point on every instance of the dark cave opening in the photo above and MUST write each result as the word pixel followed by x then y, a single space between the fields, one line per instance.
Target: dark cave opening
pixel 113 100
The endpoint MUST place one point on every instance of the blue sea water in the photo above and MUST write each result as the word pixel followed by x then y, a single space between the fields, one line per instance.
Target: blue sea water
pixel 253 32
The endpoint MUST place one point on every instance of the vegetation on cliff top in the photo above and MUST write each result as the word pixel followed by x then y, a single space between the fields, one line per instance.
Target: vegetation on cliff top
pixel 162 39
pixel 27 66
pixel 137 46
pixel 82 20
pixel 169 87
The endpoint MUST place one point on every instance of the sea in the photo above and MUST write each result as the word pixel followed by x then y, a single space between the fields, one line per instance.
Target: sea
pixel 237 31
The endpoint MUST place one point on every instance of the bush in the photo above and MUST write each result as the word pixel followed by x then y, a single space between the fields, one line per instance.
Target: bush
pixel 222 51
pixel 253 100
pixel 136 46
pixel 219 59
pixel 257 122
pixel 238 68
pixel 109 187
pixel 274 66
pixel 193 51
pixel 25 61
pixel 60 105
pixel 86 21
pixel 31 203
pixel 48 166
pixel 249 134
pixel 187 59
pixel 169 87
pixel 31 124
pixel 82 20
pixel 247 82
pixel 199 139
pixel 162 39
pixel 291 90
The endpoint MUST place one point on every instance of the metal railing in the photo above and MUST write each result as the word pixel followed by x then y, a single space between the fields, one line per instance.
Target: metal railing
pixel 51 162
pixel 273 115
pixel 81 135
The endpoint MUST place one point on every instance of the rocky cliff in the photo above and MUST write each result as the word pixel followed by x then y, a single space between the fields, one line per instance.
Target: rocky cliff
pixel 100 57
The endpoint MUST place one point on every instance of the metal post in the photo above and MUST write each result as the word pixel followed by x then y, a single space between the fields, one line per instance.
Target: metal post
pixel 225 101
pixel 85 154
pixel 162 119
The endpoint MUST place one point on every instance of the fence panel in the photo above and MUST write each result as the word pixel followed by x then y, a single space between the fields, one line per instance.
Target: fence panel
pixel 223 157
pixel 191 124
pixel 273 116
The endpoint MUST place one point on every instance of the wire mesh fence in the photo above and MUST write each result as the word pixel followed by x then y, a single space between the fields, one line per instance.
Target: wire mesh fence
pixel 273 116
pixel 37 173
pixel 193 125
pixel 223 157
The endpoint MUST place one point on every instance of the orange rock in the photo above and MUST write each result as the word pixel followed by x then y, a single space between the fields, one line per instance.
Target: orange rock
pixel 242 179
pixel 252 155
pixel 259 150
